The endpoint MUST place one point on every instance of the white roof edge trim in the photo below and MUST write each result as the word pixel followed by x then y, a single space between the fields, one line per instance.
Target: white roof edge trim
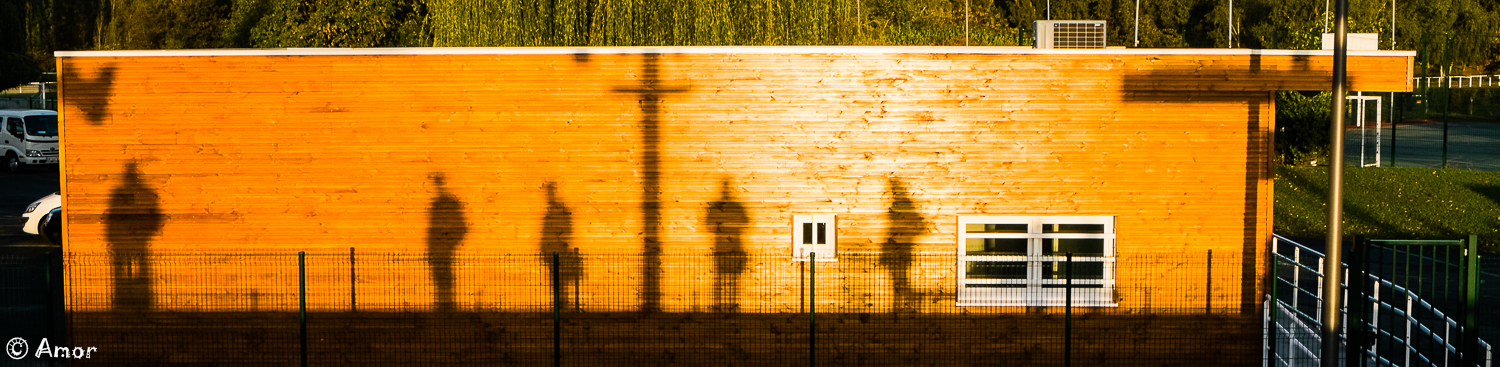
pixel 994 50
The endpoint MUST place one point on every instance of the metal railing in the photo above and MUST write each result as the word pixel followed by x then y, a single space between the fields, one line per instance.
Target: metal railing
pixel 1457 81
pixel 1420 333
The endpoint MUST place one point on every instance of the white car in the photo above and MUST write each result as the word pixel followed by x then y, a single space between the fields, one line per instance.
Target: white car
pixel 39 209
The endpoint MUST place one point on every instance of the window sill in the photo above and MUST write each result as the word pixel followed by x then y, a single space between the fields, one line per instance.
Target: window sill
pixel 821 260
pixel 1058 303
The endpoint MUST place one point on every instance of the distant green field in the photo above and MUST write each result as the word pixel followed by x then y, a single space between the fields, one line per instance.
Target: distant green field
pixel 1393 203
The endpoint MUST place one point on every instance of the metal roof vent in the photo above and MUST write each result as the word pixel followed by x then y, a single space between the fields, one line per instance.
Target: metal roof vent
pixel 1070 34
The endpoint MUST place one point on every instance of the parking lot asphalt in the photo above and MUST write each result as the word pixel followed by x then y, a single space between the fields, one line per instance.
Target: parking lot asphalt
pixel 17 190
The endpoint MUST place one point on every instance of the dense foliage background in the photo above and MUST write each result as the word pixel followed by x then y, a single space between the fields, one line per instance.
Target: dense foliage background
pixel 35 28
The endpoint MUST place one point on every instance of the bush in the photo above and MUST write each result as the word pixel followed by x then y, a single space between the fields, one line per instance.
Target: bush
pixel 1302 128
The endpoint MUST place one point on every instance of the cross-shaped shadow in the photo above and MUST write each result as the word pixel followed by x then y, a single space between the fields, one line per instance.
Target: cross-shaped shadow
pixel 650 92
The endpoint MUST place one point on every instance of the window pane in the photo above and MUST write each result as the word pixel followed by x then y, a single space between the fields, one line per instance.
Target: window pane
pixel 44 125
pixel 996 270
pixel 807 233
pixel 973 285
pixel 822 228
pixel 1073 228
pixel 1078 246
pixel 996 246
pixel 1081 270
pixel 994 228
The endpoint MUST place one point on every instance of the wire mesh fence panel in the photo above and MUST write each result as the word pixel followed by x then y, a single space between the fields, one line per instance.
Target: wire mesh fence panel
pixel 1407 309
pixel 1489 298
pixel 1431 127
pixel 185 308
pixel 865 309
pixel 29 312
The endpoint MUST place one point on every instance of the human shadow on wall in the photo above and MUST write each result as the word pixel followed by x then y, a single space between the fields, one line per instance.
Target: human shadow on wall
pixel 650 94
pixel 445 232
pixel 727 219
pixel 903 225
pixel 557 237
pixel 131 220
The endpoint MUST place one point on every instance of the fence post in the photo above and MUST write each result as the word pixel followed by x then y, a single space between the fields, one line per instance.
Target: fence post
pixel 1274 307
pixel 1470 336
pixel 51 313
pixel 1447 94
pixel 577 281
pixel 1394 119
pixel 302 302
pixel 556 312
pixel 1208 291
pixel 812 309
pixel 1068 316
pixel 1355 331
pixel 352 305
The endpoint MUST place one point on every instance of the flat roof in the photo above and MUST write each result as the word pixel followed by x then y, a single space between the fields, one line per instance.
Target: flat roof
pixel 988 50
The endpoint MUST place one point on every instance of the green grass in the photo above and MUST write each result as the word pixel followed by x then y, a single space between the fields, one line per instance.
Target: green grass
pixel 1393 203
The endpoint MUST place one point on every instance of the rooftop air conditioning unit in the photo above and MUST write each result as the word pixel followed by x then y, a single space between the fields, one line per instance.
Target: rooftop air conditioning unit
pixel 1069 34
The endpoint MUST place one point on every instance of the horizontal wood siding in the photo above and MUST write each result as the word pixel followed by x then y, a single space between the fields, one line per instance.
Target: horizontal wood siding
pixel 278 154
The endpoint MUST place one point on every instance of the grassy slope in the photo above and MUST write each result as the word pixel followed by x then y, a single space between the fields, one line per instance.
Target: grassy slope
pixel 1394 203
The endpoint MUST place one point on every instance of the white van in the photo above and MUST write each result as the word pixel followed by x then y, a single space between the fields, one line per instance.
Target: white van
pixel 30 138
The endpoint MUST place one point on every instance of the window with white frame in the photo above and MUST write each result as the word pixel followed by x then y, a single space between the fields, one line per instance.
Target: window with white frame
pixel 815 234
pixel 1022 260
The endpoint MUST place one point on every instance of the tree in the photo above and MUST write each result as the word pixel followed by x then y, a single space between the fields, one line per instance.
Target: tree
pixel 340 23
pixel 165 24
pixel 16 65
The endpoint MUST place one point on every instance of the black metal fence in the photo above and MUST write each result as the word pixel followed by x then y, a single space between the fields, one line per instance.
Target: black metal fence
pixel 1431 127
pixel 30 303
pixel 418 308
pixel 1410 306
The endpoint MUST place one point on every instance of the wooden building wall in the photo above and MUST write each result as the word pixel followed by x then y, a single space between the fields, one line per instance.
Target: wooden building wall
pixel 622 152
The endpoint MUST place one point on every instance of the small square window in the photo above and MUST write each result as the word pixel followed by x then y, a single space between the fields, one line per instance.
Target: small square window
pixel 1022 261
pixel 814 234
